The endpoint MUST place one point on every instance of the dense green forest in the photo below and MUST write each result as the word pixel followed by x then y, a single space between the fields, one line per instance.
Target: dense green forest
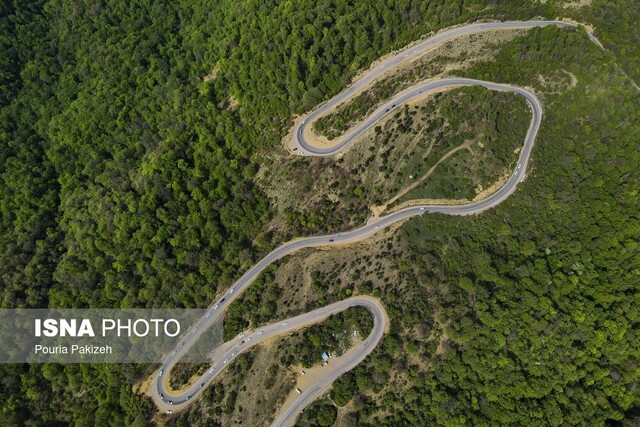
pixel 130 133
pixel 537 295
pixel 536 321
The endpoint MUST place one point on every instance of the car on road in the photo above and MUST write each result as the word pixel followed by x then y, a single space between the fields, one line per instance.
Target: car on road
pixel 215 307
pixel 233 354
pixel 231 290
pixel 285 323
pixel 260 332
pixel 161 372
pixel 201 385
pixel 225 360
pixel 161 396
pixel 188 397
pixel 331 240
pixel 169 411
pixel 170 402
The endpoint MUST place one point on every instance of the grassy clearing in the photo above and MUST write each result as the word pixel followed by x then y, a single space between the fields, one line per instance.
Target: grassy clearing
pixel 450 180
pixel 314 195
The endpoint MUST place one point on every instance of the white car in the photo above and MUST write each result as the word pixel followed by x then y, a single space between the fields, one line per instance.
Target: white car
pixel 285 323
pixel 215 307
pixel 225 360
pixel 231 291
pixel 260 332
pixel 233 354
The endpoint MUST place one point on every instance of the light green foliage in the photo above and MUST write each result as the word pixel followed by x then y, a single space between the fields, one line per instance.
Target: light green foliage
pixel 130 133
pixel 539 314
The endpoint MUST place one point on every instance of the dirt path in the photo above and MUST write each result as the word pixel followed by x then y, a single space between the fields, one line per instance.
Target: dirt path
pixel 377 210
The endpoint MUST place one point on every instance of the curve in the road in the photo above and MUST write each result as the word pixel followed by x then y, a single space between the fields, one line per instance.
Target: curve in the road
pixel 303 147
pixel 167 401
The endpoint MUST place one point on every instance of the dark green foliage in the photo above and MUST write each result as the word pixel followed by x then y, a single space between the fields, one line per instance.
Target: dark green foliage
pixel 263 294
pixel 343 389
pixel 319 414
pixel 616 24
pixel 126 175
pixel 182 372
pixel 126 180
pixel 332 336
pixel 537 295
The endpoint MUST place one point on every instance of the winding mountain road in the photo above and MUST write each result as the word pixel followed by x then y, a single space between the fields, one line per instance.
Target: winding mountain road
pixel 166 400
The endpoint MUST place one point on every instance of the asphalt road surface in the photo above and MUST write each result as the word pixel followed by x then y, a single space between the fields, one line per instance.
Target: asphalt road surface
pixel 303 147
pixel 165 400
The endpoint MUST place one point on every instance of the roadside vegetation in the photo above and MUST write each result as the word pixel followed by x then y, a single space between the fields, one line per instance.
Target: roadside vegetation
pixel 465 294
pixel 457 54
pixel 334 336
pixel 130 139
pixel 181 373
pixel 490 136
pixel 531 303
pixel 130 134
pixel 321 413
pixel 318 195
